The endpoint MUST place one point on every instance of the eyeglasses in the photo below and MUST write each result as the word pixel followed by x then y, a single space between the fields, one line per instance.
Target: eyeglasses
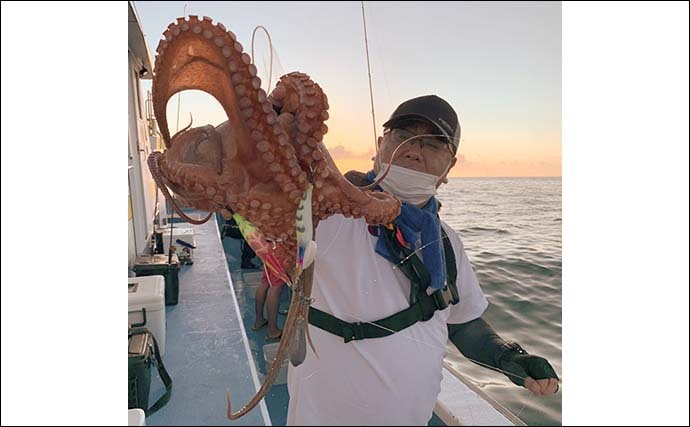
pixel 429 143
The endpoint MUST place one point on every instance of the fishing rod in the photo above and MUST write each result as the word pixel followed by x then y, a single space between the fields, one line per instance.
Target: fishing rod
pixel 371 91
pixel 179 94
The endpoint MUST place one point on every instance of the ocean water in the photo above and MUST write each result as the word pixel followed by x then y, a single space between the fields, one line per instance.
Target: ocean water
pixel 511 228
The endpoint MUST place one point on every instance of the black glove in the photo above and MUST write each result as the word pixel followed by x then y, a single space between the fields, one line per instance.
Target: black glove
pixel 478 341
pixel 517 364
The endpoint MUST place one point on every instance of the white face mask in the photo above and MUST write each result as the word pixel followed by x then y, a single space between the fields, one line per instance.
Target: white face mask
pixel 410 186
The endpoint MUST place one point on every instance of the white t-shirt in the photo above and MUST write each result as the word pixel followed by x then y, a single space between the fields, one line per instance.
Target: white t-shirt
pixel 394 380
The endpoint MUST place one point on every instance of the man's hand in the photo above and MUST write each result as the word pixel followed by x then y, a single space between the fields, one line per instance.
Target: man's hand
pixel 532 372
pixel 478 341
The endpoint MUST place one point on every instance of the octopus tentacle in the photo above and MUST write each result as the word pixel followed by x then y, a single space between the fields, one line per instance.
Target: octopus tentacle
pixel 199 55
pixel 258 163
pixel 288 330
pixel 153 162
pixel 299 98
pixel 296 95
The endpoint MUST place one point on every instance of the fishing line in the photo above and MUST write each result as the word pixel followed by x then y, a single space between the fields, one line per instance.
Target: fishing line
pixel 445 349
pixel 268 276
pixel 530 396
pixel 170 245
pixel 337 232
pixel 475 361
pixel 431 345
pixel 390 162
pixel 524 405
pixel 270 46
pixel 395 267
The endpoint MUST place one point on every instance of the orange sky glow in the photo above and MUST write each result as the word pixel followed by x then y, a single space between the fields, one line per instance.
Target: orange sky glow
pixel 498 64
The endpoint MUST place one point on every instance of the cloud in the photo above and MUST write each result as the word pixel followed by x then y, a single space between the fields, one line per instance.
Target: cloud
pixel 340 152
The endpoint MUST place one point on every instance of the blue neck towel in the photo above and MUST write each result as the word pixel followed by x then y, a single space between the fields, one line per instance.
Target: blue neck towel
pixel 412 222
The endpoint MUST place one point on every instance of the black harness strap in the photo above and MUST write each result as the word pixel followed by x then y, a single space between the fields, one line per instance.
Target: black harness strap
pixel 422 306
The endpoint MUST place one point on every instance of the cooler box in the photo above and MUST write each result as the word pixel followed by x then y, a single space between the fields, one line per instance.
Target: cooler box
pixel 147 306
pixel 270 354
pixel 185 234
pixel 140 360
pixel 157 265
pixel 136 417
pixel 144 354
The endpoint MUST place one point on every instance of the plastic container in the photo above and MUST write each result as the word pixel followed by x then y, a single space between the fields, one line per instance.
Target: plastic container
pixel 136 417
pixel 146 297
pixel 157 265
pixel 270 351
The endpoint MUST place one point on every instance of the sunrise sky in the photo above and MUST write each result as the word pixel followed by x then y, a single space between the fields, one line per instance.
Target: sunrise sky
pixel 498 64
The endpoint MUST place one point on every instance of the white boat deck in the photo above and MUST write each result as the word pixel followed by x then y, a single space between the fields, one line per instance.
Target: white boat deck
pixel 463 404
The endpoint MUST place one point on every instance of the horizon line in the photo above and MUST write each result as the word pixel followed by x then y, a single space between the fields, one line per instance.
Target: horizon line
pixel 493 176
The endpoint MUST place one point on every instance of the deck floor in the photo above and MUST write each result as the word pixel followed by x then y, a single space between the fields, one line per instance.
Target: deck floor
pixel 245 283
pixel 206 350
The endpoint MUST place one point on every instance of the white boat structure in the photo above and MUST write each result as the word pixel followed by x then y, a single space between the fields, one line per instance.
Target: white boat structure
pixel 208 338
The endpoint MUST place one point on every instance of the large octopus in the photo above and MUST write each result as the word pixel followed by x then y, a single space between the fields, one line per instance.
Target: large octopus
pixel 260 162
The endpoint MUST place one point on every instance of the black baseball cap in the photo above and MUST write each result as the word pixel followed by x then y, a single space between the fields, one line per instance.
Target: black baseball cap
pixel 432 109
